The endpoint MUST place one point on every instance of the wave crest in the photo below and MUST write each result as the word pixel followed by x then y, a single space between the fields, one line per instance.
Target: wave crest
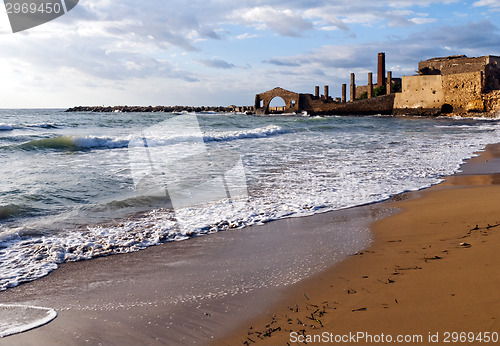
pixel 91 142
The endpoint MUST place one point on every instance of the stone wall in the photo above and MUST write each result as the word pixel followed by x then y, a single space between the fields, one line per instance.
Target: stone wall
pixel 313 105
pixel 492 102
pixel 452 65
pixel 489 65
pixel 361 89
pixel 463 91
pixel 492 74
pixel 377 105
pixel 420 92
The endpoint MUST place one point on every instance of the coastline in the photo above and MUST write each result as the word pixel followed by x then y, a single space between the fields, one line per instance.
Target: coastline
pixel 431 270
pixel 126 299
pixel 187 292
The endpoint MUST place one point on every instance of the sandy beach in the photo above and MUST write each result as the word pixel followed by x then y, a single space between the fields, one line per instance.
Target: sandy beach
pixel 188 292
pixel 432 271
pixel 432 268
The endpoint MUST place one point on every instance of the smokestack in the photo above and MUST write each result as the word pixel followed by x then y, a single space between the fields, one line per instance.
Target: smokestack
pixel 370 85
pixel 316 91
pixel 381 70
pixel 326 92
pixel 353 87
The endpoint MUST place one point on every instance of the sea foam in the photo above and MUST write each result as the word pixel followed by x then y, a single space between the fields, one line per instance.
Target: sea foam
pixel 295 167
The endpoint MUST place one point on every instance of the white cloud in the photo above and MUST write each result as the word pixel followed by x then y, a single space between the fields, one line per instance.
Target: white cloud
pixel 491 3
pixel 216 63
pixel 282 21
pixel 423 20
pixel 246 36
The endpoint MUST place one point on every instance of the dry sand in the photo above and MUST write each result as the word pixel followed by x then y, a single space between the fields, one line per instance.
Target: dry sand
pixel 433 269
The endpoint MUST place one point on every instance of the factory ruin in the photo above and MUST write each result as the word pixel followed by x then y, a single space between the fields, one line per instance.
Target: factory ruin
pixel 454 84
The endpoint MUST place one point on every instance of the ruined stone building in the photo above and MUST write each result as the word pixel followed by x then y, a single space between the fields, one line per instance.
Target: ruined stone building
pixel 443 85
pixel 452 84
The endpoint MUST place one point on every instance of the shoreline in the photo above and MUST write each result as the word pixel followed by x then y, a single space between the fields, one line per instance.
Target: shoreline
pixel 127 299
pixel 431 270
pixel 188 292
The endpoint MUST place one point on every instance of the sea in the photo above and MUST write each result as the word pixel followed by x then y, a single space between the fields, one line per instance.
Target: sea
pixel 79 185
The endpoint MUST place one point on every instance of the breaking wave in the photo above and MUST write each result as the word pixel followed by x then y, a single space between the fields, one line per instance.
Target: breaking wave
pixel 6 127
pixel 90 142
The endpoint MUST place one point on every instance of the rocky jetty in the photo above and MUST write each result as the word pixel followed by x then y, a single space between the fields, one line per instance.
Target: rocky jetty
pixel 149 109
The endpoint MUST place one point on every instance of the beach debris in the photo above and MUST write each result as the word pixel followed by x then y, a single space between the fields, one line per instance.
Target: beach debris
pixel 351 291
pixel 408 268
pixel 396 301
pixel 270 331
pixel 360 309
pixel 207 314
pixel 466 245
pixel 306 296
pixel 365 277
pixel 300 322
pixel 251 340
pixel 394 241
pixel 482 228
pixel 432 258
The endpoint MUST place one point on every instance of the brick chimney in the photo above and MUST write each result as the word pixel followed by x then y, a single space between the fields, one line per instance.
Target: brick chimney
pixel 381 70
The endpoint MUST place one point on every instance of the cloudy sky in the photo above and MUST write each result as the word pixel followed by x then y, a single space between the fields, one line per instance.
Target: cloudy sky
pixel 223 52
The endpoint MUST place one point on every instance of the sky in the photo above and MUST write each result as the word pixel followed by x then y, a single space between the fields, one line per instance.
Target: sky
pixel 223 52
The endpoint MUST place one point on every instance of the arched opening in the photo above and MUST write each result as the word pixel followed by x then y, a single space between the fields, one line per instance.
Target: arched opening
pixel 446 108
pixel 277 105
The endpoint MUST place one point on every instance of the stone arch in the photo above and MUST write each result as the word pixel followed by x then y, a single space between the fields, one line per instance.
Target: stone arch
pixel 263 100
pixel 274 107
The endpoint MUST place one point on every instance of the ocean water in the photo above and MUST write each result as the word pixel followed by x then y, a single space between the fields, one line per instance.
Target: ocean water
pixel 74 186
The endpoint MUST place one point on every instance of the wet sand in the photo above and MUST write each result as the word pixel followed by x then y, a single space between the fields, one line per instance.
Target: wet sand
pixel 433 269
pixel 188 292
